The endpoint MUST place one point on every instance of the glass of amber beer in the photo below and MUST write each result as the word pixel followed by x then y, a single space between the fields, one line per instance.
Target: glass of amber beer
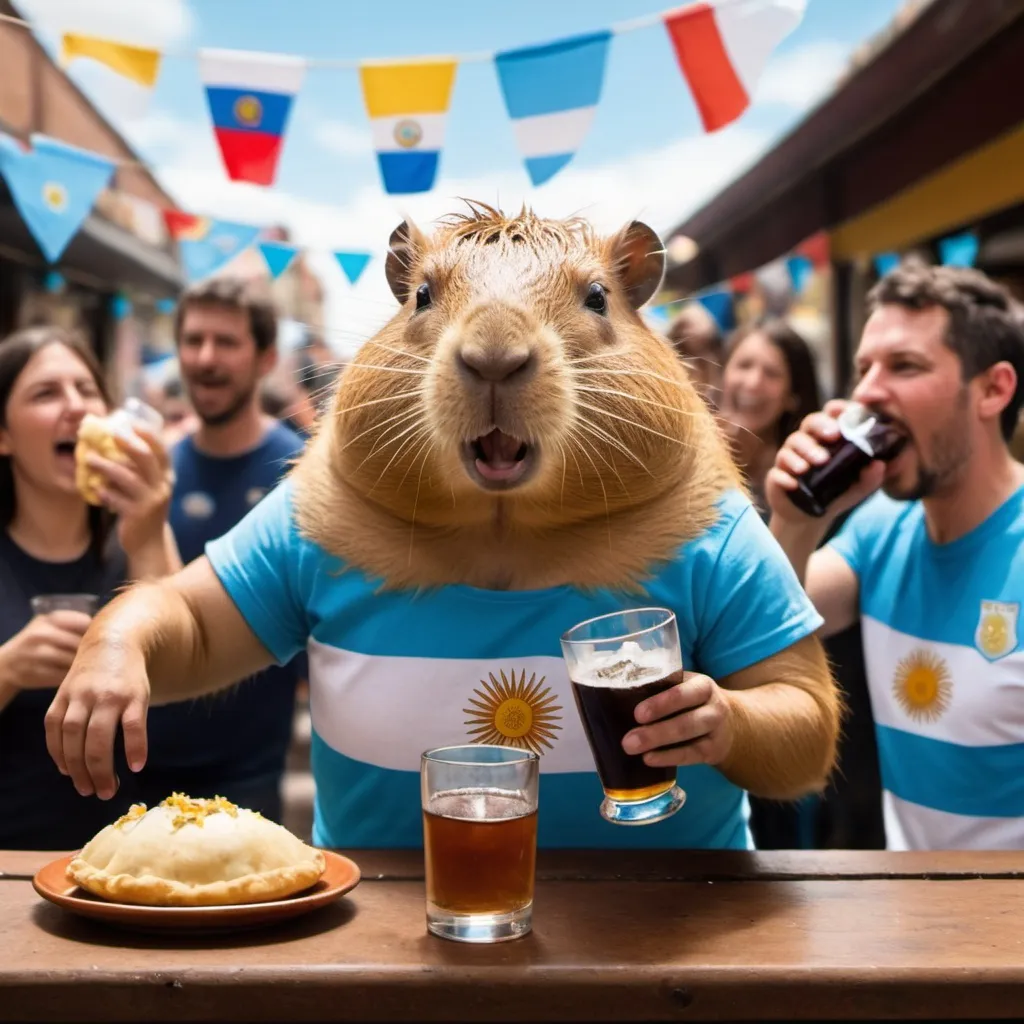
pixel 480 841
pixel 616 661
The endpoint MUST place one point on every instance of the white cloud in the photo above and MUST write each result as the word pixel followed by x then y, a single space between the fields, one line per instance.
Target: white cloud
pixel 159 23
pixel 801 76
pixel 659 186
pixel 340 138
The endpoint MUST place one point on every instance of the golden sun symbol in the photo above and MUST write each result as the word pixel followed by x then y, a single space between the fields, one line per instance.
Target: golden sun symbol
pixel 922 685
pixel 55 196
pixel 514 713
pixel 248 110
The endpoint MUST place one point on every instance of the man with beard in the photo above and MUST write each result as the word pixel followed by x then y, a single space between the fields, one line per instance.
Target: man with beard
pixel 933 565
pixel 234 744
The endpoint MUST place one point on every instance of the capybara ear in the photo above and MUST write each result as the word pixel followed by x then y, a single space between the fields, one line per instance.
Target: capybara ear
pixel 638 257
pixel 404 245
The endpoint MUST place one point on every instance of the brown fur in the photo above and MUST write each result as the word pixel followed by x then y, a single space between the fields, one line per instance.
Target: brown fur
pixel 627 471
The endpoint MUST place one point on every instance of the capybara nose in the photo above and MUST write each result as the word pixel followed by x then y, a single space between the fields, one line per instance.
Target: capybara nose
pixel 494 363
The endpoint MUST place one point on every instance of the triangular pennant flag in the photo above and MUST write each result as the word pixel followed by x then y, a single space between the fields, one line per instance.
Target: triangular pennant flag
pixel 221 243
pixel 186 226
pixel 54 186
pixel 353 263
pixel 886 261
pixel 136 63
pixel 816 249
pixel 959 250
pixel 250 97
pixel 719 305
pixel 742 283
pixel 408 107
pixel 800 270
pixel 278 256
pixel 551 93
pixel 723 46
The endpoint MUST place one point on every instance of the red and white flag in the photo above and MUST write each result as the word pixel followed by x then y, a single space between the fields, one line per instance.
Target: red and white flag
pixel 723 46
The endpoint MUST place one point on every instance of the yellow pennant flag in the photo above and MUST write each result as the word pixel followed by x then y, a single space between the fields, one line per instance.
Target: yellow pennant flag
pixel 408 108
pixel 134 62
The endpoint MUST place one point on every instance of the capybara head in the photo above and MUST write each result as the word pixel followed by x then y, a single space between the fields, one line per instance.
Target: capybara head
pixel 518 382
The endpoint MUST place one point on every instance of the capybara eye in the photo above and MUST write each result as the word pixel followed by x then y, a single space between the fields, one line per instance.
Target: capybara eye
pixel 596 299
pixel 423 296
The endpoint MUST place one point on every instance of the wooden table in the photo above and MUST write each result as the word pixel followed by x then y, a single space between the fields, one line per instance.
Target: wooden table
pixel 654 936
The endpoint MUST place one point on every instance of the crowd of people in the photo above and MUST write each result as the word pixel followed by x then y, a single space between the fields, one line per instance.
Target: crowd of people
pixel 917 571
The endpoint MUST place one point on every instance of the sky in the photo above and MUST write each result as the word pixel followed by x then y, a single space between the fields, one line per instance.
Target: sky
pixel 646 155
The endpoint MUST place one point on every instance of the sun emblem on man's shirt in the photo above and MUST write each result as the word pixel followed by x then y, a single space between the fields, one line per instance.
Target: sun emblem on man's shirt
pixel 922 685
pixel 513 712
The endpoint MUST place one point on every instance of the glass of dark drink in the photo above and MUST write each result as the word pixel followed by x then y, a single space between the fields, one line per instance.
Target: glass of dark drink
pixel 616 661
pixel 865 435
pixel 480 841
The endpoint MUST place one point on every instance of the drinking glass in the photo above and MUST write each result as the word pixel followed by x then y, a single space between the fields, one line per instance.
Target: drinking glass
pixel 479 840
pixel 44 604
pixel 616 661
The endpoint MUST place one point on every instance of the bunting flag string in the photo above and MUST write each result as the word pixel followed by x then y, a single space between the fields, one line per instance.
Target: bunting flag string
pixel 550 91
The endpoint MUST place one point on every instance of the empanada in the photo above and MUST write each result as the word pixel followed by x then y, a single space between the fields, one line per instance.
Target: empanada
pixel 189 853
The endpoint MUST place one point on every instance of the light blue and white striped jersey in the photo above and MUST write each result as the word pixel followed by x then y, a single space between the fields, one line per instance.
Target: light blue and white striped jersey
pixel 393 673
pixel 945 671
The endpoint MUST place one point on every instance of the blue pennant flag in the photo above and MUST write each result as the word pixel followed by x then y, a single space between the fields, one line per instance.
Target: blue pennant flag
pixel 719 305
pixel 278 257
pixel 886 261
pixel 959 250
pixel 800 271
pixel 218 244
pixel 54 186
pixel 353 263
pixel 551 93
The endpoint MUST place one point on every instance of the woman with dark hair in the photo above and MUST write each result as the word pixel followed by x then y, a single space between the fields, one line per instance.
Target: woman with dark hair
pixel 769 384
pixel 52 542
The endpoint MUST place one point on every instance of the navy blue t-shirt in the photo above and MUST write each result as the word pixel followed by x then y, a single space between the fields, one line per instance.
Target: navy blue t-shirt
pixel 232 743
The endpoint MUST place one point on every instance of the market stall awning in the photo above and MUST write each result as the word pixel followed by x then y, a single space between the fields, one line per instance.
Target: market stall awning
pixel 941 93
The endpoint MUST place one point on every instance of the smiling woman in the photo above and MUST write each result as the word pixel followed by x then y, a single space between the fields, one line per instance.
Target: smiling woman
pixel 52 542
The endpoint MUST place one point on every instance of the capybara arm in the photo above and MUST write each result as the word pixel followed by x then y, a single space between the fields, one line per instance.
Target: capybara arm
pixel 786 713
pixel 194 639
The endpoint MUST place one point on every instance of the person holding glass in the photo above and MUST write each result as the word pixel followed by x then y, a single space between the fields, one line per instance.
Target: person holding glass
pixel 60 560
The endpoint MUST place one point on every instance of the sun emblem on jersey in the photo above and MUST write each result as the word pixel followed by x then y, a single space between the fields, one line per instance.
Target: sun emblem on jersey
pixel 513 712
pixel 922 685
pixel 996 634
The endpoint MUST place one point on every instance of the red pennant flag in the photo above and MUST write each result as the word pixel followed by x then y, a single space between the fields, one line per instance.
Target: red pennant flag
pixel 815 248
pixel 722 48
pixel 185 226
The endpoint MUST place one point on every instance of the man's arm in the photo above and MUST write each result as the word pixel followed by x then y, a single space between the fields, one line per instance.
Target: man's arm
pixel 828 579
pixel 157 642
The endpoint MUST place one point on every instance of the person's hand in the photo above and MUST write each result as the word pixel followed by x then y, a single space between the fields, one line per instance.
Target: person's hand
pixel 803 449
pixel 39 656
pixel 107 686
pixel 692 719
pixel 137 491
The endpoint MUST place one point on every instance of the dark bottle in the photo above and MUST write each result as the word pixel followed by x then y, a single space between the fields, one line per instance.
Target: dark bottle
pixel 867 436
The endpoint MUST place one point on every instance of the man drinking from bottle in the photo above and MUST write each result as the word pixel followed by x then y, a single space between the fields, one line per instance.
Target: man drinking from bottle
pixel 933 561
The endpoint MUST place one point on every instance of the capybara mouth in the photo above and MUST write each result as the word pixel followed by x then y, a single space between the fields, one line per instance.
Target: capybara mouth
pixel 498 461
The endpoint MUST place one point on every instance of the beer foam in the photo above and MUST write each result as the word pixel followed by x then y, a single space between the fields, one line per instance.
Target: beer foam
pixel 629 666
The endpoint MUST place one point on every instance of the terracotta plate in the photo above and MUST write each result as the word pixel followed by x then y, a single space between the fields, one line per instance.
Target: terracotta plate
pixel 340 876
